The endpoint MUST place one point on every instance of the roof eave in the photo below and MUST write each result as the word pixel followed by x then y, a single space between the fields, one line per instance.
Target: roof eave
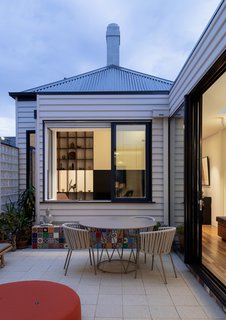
pixel 33 95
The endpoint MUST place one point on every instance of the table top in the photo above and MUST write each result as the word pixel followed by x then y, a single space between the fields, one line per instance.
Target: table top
pixel 26 300
pixel 115 222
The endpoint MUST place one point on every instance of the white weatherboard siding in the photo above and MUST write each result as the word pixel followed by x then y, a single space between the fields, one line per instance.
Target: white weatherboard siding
pixel 209 48
pixel 25 121
pixel 177 171
pixel 105 107
pixel 64 109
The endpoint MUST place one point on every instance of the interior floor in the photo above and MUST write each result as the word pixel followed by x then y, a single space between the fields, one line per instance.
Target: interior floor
pixel 214 252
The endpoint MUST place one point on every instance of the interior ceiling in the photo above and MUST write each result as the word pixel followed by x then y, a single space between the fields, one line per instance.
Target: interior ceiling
pixel 214 108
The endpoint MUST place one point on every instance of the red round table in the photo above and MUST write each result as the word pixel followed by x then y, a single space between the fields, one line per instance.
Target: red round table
pixel 36 300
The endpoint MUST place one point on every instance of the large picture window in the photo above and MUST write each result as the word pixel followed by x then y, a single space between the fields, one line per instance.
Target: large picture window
pixel 98 164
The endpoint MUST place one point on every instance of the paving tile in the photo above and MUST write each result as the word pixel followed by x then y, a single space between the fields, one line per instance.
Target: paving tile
pixel 136 312
pixel 196 312
pixel 110 290
pixel 88 298
pixel 160 289
pixel 109 310
pixel 184 300
pixel 110 299
pixel 134 300
pixel 213 310
pixel 87 289
pixel 175 290
pixel 164 312
pixel 133 290
pixel 88 310
pixel 159 300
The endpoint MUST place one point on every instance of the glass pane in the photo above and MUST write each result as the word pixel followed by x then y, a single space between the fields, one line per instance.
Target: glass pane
pixel 31 160
pixel 214 178
pixel 130 161
pixel 83 164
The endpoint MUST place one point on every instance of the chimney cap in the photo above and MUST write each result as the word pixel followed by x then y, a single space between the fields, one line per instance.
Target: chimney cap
pixel 113 30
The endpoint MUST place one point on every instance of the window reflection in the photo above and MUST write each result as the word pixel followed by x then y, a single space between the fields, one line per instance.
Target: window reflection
pixel 130 158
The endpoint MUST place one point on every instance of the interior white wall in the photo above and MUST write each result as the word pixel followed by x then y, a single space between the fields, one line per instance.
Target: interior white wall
pixel 213 147
pixel 102 149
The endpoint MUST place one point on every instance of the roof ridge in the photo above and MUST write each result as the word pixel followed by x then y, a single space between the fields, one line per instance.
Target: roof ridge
pixel 96 71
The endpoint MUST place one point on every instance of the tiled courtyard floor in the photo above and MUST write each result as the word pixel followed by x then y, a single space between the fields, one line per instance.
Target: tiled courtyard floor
pixel 117 296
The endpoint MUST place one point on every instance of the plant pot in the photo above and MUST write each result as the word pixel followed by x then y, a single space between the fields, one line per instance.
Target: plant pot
pixel 181 241
pixel 21 244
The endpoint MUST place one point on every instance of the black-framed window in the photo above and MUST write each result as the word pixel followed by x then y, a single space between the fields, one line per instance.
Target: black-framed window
pixel 98 163
pixel 30 147
pixel 131 167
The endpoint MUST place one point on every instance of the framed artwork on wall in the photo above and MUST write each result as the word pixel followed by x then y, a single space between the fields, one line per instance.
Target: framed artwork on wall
pixel 205 171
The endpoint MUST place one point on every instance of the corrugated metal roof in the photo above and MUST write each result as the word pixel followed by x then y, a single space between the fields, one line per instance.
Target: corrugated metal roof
pixel 108 79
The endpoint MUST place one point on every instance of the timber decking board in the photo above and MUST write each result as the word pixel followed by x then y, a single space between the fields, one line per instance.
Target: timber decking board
pixel 214 252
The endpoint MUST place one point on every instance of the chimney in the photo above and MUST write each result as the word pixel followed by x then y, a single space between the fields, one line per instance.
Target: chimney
pixel 113 42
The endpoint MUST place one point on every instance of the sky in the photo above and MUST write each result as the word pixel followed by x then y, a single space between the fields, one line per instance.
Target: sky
pixel 42 41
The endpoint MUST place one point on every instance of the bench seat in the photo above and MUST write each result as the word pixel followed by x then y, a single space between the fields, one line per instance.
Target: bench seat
pixel 4 247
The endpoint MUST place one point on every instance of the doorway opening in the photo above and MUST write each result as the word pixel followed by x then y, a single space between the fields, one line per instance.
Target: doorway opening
pixel 214 179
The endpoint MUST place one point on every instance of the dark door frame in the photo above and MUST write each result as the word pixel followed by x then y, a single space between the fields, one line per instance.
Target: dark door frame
pixel 193 183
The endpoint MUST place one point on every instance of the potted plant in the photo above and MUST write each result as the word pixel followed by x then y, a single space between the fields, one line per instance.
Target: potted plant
pixel 180 234
pixel 9 223
pixel 26 211
pixel 3 234
pixel 23 233
pixel 16 220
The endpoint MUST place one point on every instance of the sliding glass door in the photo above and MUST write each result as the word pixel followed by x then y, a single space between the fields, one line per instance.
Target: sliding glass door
pixel 214 178
pixel 205 179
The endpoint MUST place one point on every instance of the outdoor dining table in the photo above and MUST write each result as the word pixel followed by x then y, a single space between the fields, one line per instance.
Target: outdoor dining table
pixel 113 224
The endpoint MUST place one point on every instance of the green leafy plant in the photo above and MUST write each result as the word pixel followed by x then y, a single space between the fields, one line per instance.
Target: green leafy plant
pixel 157 226
pixel 9 223
pixel 26 203
pixel 16 220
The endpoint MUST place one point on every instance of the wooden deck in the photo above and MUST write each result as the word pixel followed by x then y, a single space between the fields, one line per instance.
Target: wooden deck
pixel 214 252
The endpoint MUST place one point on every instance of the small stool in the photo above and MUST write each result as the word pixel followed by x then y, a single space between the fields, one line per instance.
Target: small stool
pixel 4 247
pixel 26 300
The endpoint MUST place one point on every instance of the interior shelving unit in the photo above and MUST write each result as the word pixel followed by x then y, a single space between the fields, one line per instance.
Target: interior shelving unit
pixel 75 165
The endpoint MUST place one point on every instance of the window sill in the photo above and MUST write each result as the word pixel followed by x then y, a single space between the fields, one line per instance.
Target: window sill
pixel 96 201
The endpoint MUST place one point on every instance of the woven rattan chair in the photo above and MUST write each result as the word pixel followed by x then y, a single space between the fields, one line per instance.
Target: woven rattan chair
pixel 77 239
pixel 149 229
pixel 158 243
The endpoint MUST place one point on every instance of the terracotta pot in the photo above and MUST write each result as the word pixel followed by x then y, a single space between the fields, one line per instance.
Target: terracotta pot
pixel 21 244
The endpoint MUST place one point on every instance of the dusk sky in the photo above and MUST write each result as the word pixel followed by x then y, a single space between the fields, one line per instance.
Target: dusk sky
pixel 43 41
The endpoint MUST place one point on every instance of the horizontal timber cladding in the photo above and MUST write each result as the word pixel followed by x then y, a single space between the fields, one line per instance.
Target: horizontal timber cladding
pixel 101 108
pixel 25 122
pixel 208 49
pixel 62 212
pixel 177 173
pixel 85 109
